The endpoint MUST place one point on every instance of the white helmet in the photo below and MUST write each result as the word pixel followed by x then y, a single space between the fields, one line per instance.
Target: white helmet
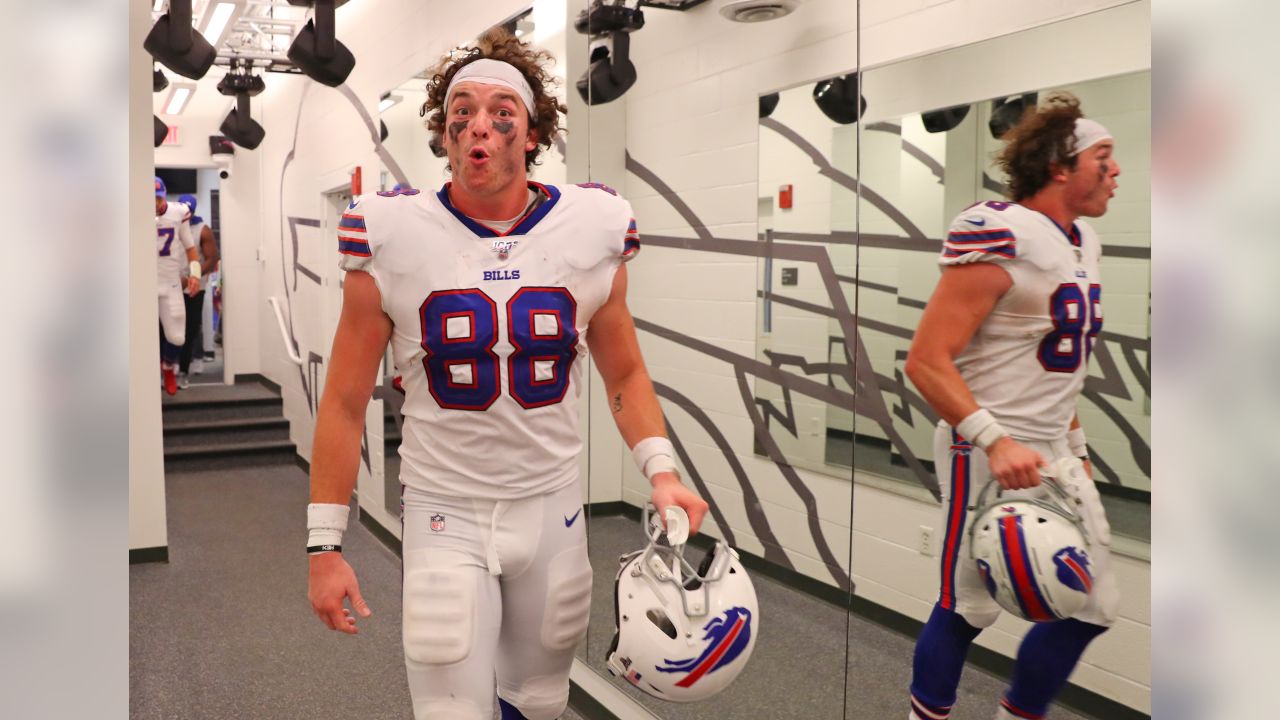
pixel 681 635
pixel 1032 552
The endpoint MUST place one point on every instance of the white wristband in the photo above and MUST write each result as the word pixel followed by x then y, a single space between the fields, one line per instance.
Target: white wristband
pixel 654 455
pixel 194 269
pixel 981 429
pixel 1079 446
pixel 326 523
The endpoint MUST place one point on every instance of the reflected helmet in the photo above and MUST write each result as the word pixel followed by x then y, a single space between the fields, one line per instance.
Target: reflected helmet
pixel 682 635
pixel 1032 552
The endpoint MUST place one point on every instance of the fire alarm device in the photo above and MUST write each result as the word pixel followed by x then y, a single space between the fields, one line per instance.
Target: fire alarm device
pixel 784 197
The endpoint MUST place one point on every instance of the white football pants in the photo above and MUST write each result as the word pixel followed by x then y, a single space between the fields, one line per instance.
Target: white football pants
pixel 173 314
pixel 962 472
pixel 493 591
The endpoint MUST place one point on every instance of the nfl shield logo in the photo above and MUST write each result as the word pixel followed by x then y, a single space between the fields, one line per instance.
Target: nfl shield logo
pixel 437 523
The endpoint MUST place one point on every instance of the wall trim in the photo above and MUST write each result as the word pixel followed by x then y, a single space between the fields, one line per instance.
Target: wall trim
pixel 148 555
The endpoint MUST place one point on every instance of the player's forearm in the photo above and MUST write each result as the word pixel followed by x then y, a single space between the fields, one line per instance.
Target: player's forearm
pixel 635 407
pixel 335 453
pixel 941 385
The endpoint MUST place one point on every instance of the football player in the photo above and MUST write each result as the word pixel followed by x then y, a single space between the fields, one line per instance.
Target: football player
pixel 490 292
pixel 207 250
pixel 176 250
pixel 1001 355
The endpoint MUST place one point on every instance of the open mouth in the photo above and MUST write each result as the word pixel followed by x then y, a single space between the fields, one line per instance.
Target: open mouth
pixel 478 154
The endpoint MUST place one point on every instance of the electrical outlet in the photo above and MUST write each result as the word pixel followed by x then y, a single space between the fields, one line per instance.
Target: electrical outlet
pixel 925 544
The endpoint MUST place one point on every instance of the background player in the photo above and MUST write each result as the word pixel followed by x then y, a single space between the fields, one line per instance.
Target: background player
pixel 175 248
pixel 207 250
pixel 487 291
pixel 1001 354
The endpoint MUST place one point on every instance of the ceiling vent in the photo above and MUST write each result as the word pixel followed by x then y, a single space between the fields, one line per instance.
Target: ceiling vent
pixel 753 11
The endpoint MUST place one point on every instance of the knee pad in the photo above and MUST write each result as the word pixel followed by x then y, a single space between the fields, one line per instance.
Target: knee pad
pixel 448 710
pixel 439 611
pixel 541 698
pixel 568 609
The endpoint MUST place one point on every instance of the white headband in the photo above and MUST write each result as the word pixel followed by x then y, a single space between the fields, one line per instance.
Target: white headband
pixel 1089 133
pixel 494 72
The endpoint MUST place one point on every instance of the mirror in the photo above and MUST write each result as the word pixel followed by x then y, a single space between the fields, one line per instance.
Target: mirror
pixel 918 170
pixel 789 525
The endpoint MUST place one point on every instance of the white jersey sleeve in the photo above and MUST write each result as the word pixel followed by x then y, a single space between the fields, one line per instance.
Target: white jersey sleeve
pixel 619 210
pixel 354 249
pixel 979 234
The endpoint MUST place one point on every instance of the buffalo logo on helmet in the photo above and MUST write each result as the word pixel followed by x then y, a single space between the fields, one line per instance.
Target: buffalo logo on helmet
pixel 1073 569
pixel 984 571
pixel 727 635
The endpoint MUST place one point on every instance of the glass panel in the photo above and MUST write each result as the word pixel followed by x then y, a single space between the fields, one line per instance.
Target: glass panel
pixel 680 148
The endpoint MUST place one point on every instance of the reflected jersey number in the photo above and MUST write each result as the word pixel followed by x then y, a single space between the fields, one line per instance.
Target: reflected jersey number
pixel 1068 344
pixel 460 330
pixel 168 234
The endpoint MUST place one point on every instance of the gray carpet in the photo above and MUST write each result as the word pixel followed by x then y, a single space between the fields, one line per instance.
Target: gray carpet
pixel 798 666
pixel 224 630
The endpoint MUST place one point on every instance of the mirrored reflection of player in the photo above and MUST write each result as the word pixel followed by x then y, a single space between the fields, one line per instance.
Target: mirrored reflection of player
pixel 1001 353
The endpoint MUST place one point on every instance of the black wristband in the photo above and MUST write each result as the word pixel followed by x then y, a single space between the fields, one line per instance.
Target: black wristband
pixel 313 549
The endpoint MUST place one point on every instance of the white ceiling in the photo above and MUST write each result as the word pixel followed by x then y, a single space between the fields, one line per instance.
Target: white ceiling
pixel 262 32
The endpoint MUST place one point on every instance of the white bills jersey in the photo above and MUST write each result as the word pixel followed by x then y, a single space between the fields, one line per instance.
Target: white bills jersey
pixel 489 329
pixel 173 237
pixel 1028 360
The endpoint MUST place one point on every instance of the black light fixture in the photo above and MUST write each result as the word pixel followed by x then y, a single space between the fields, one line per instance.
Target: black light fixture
pixel 158 80
pixel 769 103
pixel 940 121
pixel 159 130
pixel 608 23
pixel 1007 112
pixel 173 42
pixel 839 99
pixel 316 50
pixel 611 73
pixel 383 132
pixel 239 126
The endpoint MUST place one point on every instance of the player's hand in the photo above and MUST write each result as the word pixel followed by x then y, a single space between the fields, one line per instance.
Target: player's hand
pixel 193 286
pixel 668 491
pixel 1015 466
pixel 331 580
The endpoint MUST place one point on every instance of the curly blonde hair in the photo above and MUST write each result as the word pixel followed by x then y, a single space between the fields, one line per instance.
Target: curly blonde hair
pixel 498 44
pixel 1042 139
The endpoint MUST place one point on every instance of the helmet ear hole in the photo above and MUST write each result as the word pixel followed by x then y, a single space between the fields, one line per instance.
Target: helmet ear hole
pixel 1041 520
pixel 660 619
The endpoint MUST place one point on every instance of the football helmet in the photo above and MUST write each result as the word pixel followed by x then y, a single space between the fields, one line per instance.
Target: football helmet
pixel 681 634
pixel 1032 552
